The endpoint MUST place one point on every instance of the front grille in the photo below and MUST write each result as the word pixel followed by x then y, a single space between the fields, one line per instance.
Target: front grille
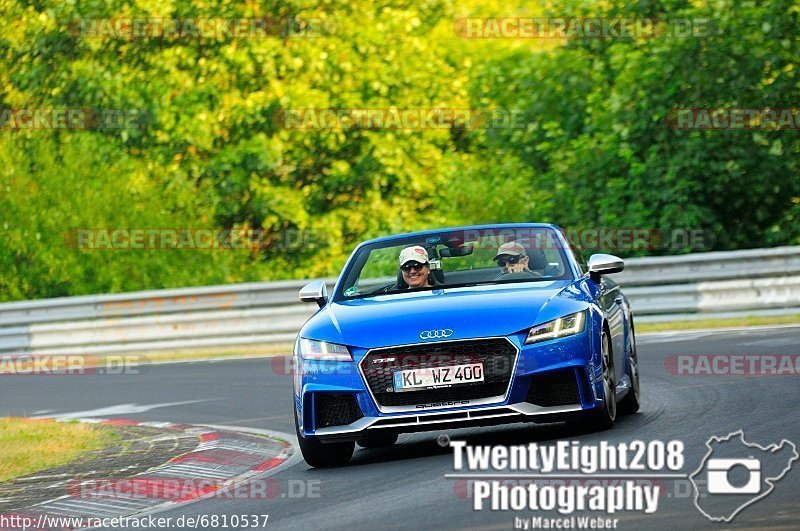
pixel 555 388
pixel 335 410
pixel 497 355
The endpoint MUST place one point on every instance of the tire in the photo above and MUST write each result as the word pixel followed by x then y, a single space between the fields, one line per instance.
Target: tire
pixel 379 439
pixel 630 404
pixel 604 417
pixel 323 455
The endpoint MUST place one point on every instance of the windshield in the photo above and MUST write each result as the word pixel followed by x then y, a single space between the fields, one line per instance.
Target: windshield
pixel 447 259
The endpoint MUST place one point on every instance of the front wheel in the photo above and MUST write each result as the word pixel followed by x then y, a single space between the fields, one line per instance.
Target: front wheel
pixel 630 404
pixel 604 418
pixel 323 455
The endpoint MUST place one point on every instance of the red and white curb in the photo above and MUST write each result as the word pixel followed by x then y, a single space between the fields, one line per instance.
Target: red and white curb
pixel 225 459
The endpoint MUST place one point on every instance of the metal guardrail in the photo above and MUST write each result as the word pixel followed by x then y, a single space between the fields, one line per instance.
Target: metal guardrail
pixel 753 280
pixel 269 313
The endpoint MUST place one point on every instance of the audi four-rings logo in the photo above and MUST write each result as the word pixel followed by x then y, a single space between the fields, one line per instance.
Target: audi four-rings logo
pixel 435 334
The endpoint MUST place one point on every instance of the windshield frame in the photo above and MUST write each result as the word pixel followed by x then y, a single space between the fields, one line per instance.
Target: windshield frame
pixel 361 253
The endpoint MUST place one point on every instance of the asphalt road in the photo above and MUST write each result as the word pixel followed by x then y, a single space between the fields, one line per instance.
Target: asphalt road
pixel 405 486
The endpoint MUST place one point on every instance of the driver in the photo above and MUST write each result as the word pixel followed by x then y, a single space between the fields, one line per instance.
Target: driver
pixel 512 257
pixel 415 268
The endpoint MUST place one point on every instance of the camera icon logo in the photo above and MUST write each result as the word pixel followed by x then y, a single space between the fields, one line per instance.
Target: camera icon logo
pixel 719 482
pixel 735 474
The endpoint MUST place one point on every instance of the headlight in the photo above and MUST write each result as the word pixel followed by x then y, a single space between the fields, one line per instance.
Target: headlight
pixel 322 350
pixel 563 326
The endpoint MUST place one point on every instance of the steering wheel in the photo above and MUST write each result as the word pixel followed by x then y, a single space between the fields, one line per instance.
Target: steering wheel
pixel 518 275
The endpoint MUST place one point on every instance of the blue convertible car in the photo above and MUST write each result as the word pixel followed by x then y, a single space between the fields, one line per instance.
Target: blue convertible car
pixel 462 327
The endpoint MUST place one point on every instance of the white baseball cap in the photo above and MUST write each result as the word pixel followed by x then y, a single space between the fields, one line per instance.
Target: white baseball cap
pixel 415 253
pixel 511 249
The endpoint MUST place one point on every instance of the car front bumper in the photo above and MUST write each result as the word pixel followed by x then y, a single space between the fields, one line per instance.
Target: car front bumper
pixel 550 381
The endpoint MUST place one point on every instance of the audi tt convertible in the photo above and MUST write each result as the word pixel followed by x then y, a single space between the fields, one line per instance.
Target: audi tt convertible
pixel 462 327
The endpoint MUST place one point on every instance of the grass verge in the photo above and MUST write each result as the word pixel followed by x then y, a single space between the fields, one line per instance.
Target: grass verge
pixel 746 320
pixel 31 445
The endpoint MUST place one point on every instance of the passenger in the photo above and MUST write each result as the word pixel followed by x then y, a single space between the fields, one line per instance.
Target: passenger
pixel 414 268
pixel 512 257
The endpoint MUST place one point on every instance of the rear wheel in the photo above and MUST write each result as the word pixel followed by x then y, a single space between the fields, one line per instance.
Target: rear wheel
pixel 377 439
pixel 323 455
pixel 603 418
pixel 630 404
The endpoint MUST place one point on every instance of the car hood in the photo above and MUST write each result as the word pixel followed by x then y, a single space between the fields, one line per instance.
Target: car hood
pixel 479 311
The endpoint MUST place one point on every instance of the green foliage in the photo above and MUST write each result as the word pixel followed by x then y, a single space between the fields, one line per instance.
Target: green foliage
pixel 599 136
pixel 208 147
pixel 54 187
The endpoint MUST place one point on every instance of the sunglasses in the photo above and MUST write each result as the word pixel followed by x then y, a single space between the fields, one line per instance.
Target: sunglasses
pixel 416 266
pixel 510 260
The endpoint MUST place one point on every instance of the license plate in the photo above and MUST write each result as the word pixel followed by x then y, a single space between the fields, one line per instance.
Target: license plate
pixel 411 379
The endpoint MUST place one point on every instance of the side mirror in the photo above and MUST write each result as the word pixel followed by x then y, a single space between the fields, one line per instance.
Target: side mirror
pixel 604 264
pixel 315 291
